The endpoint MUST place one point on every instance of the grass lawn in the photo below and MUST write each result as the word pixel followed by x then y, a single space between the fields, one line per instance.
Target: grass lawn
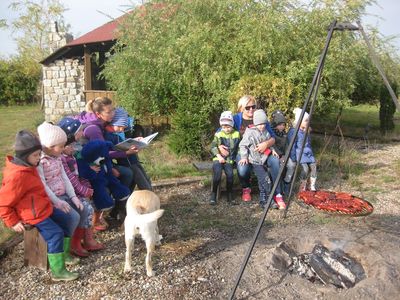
pixel 354 121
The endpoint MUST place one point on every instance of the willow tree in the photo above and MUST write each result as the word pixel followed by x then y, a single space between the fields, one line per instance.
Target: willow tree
pixel 193 59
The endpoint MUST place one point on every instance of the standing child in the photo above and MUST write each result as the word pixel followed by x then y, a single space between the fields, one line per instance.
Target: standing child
pixel 23 201
pixel 230 138
pixel 82 187
pixel 307 160
pixel 57 184
pixel 252 137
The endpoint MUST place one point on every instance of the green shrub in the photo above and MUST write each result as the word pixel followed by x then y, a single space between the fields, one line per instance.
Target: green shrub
pixel 17 86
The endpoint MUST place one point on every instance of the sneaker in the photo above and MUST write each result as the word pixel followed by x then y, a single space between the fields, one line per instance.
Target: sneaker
pixel 262 205
pixel 246 194
pixel 279 200
pixel 213 199
pixel 274 205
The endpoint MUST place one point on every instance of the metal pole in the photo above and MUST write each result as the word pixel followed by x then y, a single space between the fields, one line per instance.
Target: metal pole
pixel 375 60
pixel 261 222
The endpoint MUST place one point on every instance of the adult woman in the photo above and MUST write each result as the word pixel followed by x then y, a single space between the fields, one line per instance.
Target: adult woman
pixel 246 107
pixel 99 112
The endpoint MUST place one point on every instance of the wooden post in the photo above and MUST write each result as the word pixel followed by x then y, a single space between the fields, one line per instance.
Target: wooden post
pixel 88 69
pixel 35 249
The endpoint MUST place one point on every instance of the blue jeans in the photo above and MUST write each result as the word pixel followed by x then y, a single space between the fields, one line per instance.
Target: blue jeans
pixel 56 227
pixel 217 172
pixel 244 173
pixel 83 214
pixel 273 167
pixel 264 182
pixel 126 175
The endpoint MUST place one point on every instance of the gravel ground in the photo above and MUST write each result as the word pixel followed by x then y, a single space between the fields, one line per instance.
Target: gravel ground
pixel 203 248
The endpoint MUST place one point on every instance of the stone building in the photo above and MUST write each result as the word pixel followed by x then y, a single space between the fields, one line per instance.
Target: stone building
pixel 70 72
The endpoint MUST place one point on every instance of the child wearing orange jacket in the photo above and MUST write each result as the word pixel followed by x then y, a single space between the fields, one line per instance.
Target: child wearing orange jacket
pixel 24 203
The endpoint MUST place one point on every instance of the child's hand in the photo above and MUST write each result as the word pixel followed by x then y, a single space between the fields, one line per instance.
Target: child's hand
pixel 63 206
pixel 221 159
pixel 77 202
pixel 95 168
pixel 223 150
pixel 19 227
pixel 115 172
pixel 89 193
pixel 243 161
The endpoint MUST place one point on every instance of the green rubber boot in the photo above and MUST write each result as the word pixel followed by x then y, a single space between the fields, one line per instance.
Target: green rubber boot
pixel 57 267
pixel 69 259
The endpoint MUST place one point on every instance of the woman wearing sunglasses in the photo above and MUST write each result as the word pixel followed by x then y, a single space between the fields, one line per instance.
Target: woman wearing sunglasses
pixel 247 105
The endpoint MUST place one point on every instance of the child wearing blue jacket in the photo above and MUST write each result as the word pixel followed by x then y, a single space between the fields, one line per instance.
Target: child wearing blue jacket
pixel 307 160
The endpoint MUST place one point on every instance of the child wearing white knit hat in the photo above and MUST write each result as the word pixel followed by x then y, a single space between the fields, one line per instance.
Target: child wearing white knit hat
pixel 59 188
pixel 307 159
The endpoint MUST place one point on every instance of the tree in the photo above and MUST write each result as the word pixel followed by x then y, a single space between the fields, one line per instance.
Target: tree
pixel 193 59
pixel 33 26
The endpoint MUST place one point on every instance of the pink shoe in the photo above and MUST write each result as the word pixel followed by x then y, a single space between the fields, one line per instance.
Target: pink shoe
pixel 279 200
pixel 246 194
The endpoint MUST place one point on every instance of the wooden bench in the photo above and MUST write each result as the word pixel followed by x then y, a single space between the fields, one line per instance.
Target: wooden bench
pixel 35 249
pixel 207 166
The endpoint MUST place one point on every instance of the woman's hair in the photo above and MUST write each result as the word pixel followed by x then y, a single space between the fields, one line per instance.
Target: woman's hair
pixel 244 100
pixel 97 105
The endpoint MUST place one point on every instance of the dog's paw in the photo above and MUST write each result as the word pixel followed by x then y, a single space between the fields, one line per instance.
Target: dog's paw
pixel 150 273
pixel 127 268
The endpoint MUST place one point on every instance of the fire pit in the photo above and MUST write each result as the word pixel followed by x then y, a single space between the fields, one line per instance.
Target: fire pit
pixel 323 266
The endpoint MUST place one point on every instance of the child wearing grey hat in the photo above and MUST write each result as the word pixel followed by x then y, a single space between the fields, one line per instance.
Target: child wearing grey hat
pixel 249 153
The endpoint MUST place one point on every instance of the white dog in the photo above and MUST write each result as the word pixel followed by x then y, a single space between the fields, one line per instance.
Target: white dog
pixel 142 212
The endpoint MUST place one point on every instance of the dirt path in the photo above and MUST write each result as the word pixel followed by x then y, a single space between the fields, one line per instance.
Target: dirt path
pixel 203 248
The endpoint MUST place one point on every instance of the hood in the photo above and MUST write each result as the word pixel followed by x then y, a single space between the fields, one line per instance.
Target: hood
pixel 12 168
pixel 95 149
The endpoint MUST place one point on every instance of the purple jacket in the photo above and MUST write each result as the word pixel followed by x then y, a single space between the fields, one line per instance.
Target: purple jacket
pixel 94 130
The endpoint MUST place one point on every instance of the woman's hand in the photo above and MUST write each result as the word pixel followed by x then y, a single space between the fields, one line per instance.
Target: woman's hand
pixel 63 206
pixel 19 227
pixel 261 147
pixel 132 150
pixel 243 161
pixel 224 150
pixel 77 202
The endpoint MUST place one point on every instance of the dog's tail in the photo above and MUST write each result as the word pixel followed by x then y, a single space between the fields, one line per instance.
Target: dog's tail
pixel 147 218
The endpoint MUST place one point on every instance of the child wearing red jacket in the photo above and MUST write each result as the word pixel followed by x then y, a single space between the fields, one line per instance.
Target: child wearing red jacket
pixel 24 202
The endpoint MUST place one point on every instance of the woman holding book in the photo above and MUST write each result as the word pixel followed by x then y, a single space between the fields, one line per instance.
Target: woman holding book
pixel 99 114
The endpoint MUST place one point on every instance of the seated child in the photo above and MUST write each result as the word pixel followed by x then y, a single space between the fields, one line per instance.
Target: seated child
pixel 24 202
pixel 307 159
pixel 56 182
pixel 230 138
pixel 82 187
pixel 278 125
pixel 96 154
pixel 247 147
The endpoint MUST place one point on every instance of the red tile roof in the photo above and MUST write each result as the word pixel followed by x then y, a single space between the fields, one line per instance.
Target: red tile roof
pixel 106 32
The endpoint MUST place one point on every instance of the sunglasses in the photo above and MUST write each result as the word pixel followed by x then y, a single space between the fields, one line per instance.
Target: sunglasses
pixel 250 107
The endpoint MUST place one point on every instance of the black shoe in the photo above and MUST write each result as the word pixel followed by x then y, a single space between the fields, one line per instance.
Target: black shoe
pixel 262 205
pixel 213 199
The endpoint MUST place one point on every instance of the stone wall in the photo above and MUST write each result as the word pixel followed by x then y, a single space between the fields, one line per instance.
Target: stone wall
pixel 63 86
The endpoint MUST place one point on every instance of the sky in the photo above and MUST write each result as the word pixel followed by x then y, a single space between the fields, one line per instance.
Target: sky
pixel 86 15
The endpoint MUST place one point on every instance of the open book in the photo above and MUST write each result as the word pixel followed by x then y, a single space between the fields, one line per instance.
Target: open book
pixel 128 143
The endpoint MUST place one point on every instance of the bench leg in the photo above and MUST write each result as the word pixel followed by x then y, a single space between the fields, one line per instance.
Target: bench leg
pixel 35 249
